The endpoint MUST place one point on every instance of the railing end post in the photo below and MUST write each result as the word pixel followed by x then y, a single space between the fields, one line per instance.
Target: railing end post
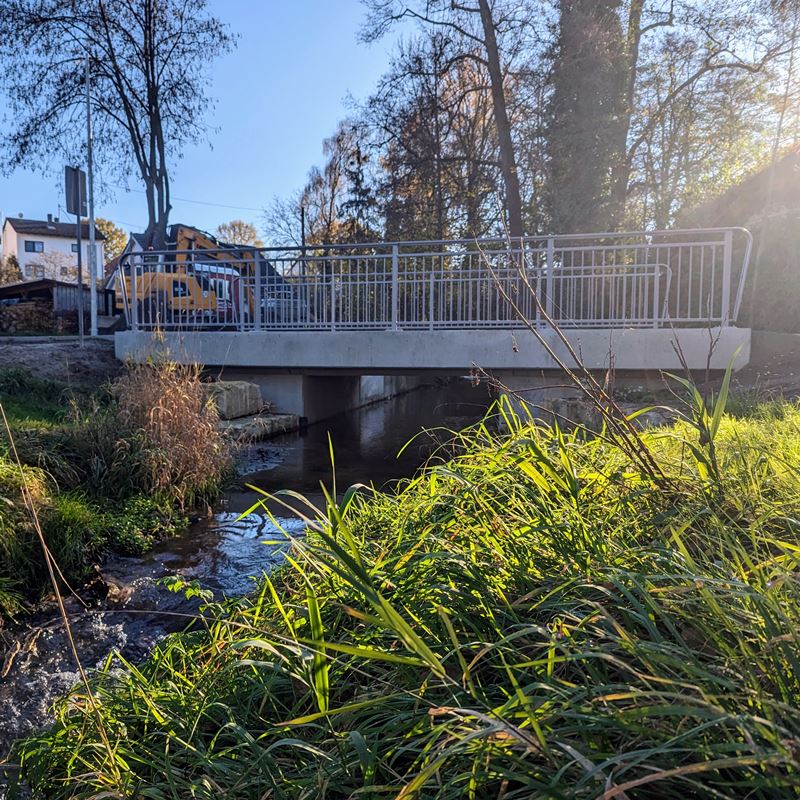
pixel 395 285
pixel 725 311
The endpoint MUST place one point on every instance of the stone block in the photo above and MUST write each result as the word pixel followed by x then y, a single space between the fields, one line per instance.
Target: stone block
pixel 235 399
pixel 261 426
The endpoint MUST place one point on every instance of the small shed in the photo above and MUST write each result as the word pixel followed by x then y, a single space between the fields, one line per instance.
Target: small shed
pixel 47 305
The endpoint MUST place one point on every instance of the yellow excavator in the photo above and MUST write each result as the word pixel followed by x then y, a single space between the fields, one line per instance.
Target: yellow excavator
pixel 199 283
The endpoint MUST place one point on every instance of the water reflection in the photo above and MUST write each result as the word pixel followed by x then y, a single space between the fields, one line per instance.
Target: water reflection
pixel 366 442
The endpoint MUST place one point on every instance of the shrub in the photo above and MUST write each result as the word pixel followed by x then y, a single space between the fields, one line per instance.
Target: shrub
pixel 151 432
pixel 75 531
pixel 172 443
pixel 19 547
pixel 16 381
pixel 139 523
pixel 109 470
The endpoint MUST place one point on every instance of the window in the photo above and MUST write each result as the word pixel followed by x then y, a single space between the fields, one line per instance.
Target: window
pixel 32 246
pixel 34 271
pixel 179 289
pixel 65 270
pixel 74 247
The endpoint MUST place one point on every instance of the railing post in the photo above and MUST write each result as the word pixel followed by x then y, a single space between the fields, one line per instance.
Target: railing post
pixel 727 259
pixel 548 277
pixel 395 285
pixel 159 319
pixel 656 296
pixel 134 301
pixel 257 292
pixel 240 302
pixel 333 295
pixel 430 300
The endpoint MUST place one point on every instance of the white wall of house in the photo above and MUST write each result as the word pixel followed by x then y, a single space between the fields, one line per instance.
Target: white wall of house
pixel 53 257
pixel 9 240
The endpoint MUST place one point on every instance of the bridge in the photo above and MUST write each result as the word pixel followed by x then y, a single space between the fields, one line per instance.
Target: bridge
pixel 299 315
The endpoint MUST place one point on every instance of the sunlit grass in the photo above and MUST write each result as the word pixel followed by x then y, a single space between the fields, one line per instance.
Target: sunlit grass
pixel 533 619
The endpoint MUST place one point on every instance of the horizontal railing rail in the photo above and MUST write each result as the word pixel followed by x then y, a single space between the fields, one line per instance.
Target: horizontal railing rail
pixel 607 280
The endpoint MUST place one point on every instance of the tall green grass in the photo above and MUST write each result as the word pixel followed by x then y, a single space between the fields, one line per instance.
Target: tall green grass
pixel 534 618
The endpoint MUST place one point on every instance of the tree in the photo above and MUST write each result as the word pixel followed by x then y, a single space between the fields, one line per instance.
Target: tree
pixel 283 221
pixel 148 69
pixel 237 231
pixel 56 266
pixel 709 137
pixel 608 99
pixel 584 113
pixel 115 238
pixel 480 27
pixel 337 202
pixel 9 270
pixel 434 135
pixel 727 38
pixel 410 123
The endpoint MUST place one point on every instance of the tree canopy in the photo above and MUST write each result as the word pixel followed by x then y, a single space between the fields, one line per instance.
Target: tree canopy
pixel 508 116
pixel 149 66
pixel 115 238
pixel 237 231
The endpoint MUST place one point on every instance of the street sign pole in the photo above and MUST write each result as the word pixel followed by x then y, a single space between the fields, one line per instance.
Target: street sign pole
pixel 75 189
pixel 92 247
pixel 80 270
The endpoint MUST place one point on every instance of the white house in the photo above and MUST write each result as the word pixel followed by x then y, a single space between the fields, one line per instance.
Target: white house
pixel 49 248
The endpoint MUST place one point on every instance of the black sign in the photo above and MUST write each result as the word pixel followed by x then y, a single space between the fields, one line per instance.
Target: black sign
pixel 75 187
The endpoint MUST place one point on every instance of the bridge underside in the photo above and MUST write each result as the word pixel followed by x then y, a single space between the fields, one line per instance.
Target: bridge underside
pixel 443 351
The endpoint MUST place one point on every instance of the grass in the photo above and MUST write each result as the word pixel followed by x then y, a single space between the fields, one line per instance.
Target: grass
pixel 111 469
pixel 534 618
pixel 30 402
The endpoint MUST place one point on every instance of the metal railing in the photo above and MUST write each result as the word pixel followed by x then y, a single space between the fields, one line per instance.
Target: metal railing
pixel 608 280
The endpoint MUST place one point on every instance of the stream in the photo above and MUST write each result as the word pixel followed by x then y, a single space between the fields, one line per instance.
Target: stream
pixel 129 610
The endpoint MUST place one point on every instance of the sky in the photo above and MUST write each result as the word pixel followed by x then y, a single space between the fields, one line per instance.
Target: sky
pixel 278 95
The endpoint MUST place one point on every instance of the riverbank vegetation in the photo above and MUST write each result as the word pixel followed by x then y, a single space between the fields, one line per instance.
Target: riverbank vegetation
pixel 536 617
pixel 104 469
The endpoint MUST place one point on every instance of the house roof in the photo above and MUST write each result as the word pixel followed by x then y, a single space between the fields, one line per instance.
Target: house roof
pixel 39 287
pixel 41 227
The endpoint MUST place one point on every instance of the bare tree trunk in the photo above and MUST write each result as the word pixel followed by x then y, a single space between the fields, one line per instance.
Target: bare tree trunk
pixel 621 163
pixel 157 223
pixel 508 165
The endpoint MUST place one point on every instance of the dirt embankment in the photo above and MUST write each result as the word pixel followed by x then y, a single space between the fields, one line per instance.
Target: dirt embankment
pixel 62 359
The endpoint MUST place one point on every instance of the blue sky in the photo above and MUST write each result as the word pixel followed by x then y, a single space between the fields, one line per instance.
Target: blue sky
pixel 279 94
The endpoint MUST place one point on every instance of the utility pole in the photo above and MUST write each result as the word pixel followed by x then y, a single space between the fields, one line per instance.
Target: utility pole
pixel 90 176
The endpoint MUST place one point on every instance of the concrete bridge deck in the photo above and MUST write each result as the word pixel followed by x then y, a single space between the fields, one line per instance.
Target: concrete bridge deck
pixel 444 351
pixel 319 374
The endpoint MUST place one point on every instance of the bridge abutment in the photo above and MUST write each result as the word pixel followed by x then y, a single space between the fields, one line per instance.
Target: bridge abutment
pixel 319 397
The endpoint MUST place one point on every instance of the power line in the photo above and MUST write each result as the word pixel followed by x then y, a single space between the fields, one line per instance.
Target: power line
pixel 195 202
pixel 62 210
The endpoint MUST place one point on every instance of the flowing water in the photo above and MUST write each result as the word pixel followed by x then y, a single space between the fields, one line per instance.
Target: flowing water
pixel 129 610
